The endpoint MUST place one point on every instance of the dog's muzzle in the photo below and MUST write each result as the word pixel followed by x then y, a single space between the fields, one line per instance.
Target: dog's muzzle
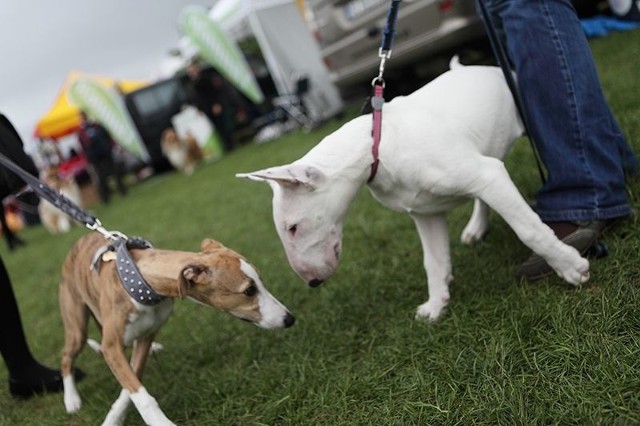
pixel 289 320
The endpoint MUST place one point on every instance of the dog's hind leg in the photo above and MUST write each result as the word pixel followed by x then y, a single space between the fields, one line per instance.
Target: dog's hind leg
pixel 478 223
pixel 75 316
pixel 434 237
pixel 118 411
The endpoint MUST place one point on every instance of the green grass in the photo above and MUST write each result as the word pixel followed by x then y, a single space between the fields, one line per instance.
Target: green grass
pixel 505 353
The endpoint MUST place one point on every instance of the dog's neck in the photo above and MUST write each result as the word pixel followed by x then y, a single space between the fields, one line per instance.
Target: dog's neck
pixel 162 268
pixel 345 153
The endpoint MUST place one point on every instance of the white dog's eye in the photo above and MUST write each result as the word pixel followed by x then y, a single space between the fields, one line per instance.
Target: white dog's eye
pixel 292 229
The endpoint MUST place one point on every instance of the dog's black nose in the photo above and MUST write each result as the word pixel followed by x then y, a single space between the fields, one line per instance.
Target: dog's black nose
pixel 315 282
pixel 289 320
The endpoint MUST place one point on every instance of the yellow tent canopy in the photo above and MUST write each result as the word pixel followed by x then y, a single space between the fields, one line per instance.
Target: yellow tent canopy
pixel 63 117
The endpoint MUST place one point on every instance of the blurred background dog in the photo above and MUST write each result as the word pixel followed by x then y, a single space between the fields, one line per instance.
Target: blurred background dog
pixel 183 154
pixel 51 217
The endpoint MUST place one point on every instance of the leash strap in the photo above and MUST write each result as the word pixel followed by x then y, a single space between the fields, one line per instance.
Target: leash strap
pixel 130 276
pixel 503 61
pixel 389 32
pixel 377 101
pixel 390 28
pixel 51 195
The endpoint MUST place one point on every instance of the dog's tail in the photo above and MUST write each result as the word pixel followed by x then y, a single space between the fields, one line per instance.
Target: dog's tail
pixel 455 63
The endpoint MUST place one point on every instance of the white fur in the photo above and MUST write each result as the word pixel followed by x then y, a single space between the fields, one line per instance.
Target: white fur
pixel 147 319
pixel 118 411
pixel 72 400
pixel 271 309
pixel 441 145
pixel 148 408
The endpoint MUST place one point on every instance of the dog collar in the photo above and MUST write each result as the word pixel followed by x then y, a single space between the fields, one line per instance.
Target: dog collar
pixel 130 277
pixel 377 101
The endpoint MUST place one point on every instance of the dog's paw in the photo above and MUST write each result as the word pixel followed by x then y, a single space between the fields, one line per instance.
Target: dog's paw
pixel 72 402
pixel 473 233
pixel 156 347
pixel 94 345
pixel 576 274
pixel 431 310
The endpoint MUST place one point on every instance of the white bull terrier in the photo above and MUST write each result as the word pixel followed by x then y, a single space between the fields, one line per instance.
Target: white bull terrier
pixel 440 145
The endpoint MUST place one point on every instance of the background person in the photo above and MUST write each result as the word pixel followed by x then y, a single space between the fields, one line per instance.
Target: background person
pixel 216 99
pixel 98 146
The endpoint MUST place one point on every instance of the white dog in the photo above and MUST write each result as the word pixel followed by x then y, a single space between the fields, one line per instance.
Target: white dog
pixel 440 145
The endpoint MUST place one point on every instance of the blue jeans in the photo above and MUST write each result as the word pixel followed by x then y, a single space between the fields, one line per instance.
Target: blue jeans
pixel 576 135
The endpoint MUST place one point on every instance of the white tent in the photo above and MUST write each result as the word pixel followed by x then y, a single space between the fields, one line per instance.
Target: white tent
pixel 287 46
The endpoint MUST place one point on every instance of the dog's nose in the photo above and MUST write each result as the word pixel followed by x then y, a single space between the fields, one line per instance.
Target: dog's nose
pixel 315 282
pixel 289 320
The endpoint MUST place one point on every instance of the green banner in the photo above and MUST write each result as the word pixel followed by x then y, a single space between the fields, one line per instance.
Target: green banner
pixel 220 51
pixel 104 106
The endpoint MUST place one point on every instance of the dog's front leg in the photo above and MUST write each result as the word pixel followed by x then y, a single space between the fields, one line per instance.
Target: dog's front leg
pixel 146 404
pixel 118 411
pixel 492 184
pixel 434 237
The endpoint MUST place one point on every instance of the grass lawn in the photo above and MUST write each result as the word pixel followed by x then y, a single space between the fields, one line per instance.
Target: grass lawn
pixel 505 353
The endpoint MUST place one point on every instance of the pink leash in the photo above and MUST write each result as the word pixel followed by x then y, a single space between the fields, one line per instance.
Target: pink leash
pixel 377 101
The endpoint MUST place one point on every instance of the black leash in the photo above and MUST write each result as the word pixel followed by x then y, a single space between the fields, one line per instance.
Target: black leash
pixel 504 62
pixel 54 197
pixel 130 276
pixel 376 100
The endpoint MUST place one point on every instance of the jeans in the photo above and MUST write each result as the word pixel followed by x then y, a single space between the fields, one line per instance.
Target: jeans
pixel 576 135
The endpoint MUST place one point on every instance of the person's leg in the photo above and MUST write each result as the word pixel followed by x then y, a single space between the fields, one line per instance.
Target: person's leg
pixel 121 173
pixel 27 376
pixel 577 137
pixel 102 175
pixel 579 141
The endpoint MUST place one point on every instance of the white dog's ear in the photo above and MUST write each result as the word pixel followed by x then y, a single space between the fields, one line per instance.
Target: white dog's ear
pixel 290 176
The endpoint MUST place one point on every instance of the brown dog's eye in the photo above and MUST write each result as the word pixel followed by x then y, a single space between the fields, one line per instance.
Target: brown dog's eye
pixel 250 291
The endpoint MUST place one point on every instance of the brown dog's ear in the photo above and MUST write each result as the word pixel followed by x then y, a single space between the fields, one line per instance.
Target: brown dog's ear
pixel 197 274
pixel 192 274
pixel 209 245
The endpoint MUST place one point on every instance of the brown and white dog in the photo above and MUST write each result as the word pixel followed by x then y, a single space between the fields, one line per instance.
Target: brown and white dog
pixel 51 217
pixel 183 154
pixel 216 276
